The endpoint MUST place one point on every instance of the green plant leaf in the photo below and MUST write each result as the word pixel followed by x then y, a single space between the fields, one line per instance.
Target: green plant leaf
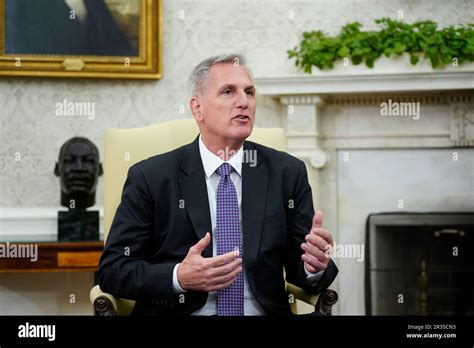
pixel 434 60
pixel 369 62
pixel 343 51
pixel 356 60
pixel 399 47
pixel 421 39
pixel 414 59
pixel 388 52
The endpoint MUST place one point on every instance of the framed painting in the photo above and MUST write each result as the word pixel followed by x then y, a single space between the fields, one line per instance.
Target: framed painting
pixel 81 38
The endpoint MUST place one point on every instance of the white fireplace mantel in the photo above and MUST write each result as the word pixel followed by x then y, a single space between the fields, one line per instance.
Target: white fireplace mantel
pixel 366 83
pixel 303 98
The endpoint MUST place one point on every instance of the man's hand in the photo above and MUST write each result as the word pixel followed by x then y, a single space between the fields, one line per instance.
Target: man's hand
pixel 208 274
pixel 318 243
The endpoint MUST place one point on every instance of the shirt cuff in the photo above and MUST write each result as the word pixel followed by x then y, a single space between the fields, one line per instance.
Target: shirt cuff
pixel 313 278
pixel 176 287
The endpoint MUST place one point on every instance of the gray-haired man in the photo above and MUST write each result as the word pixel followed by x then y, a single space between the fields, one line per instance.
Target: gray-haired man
pixel 224 254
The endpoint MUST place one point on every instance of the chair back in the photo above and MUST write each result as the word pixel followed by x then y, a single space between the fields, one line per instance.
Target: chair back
pixel 125 147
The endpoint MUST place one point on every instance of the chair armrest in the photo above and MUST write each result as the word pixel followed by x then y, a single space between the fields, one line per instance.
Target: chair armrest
pixel 104 304
pixel 301 295
pixel 322 303
pixel 326 300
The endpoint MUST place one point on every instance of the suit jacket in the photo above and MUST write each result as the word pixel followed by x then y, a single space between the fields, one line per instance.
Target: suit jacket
pixel 165 210
pixel 45 27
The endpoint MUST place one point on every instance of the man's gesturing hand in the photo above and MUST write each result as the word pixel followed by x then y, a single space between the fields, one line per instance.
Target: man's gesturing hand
pixel 318 243
pixel 208 274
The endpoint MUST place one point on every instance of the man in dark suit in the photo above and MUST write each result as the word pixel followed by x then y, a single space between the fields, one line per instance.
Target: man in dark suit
pixel 202 231
pixel 53 27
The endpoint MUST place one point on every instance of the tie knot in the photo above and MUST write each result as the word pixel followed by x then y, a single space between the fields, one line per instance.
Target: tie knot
pixel 225 169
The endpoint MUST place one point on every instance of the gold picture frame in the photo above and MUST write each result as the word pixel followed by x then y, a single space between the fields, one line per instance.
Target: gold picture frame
pixel 144 62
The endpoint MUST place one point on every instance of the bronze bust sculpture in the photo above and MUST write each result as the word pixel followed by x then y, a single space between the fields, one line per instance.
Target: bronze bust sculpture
pixel 79 169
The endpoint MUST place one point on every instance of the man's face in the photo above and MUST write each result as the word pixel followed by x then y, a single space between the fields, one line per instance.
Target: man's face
pixel 79 169
pixel 226 108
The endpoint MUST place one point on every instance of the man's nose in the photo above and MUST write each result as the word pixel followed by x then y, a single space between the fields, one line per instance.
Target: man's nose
pixel 242 101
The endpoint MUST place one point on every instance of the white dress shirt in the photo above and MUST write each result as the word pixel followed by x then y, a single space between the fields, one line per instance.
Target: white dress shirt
pixel 210 163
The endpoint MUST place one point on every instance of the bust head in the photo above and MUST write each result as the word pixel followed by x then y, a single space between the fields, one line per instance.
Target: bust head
pixel 78 168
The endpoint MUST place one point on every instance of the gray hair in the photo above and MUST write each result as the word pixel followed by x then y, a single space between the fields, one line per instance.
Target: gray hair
pixel 200 74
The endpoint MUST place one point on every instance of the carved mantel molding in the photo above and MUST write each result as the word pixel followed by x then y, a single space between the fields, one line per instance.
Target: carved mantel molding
pixel 462 124
pixel 304 97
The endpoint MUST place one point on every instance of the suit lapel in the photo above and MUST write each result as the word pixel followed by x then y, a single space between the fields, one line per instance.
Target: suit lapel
pixel 254 199
pixel 194 192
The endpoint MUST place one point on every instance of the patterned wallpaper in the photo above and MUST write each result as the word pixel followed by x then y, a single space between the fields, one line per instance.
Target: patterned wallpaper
pixel 262 30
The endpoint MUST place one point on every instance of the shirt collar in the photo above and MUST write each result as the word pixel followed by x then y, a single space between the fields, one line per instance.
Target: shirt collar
pixel 211 162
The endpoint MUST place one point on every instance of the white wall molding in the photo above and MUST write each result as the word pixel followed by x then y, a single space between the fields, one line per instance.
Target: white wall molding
pixel 34 223
pixel 423 98
pixel 302 100
pixel 375 83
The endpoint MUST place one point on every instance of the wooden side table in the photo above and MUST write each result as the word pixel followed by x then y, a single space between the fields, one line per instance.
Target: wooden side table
pixel 52 256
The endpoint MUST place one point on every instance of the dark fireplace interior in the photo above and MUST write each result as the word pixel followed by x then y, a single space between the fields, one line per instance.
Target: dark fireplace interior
pixel 420 264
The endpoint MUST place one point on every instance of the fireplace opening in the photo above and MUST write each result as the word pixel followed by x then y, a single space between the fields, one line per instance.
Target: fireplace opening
pixel 419 264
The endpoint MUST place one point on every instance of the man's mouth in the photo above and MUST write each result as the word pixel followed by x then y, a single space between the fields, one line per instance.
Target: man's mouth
pixel 242 117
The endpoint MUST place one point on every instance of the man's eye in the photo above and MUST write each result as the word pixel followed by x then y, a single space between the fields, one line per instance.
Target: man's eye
pixel 250 92
pixel 227 91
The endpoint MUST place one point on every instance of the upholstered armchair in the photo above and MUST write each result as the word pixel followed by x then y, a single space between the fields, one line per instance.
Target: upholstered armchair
pixel 124 147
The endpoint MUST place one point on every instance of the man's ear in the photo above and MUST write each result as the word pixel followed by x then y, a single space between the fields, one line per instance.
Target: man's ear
pixel 101 170
pixel 56 169
pixel 195 106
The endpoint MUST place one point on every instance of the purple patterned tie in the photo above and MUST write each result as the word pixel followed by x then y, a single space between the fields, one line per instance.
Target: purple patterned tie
pixel 230 301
